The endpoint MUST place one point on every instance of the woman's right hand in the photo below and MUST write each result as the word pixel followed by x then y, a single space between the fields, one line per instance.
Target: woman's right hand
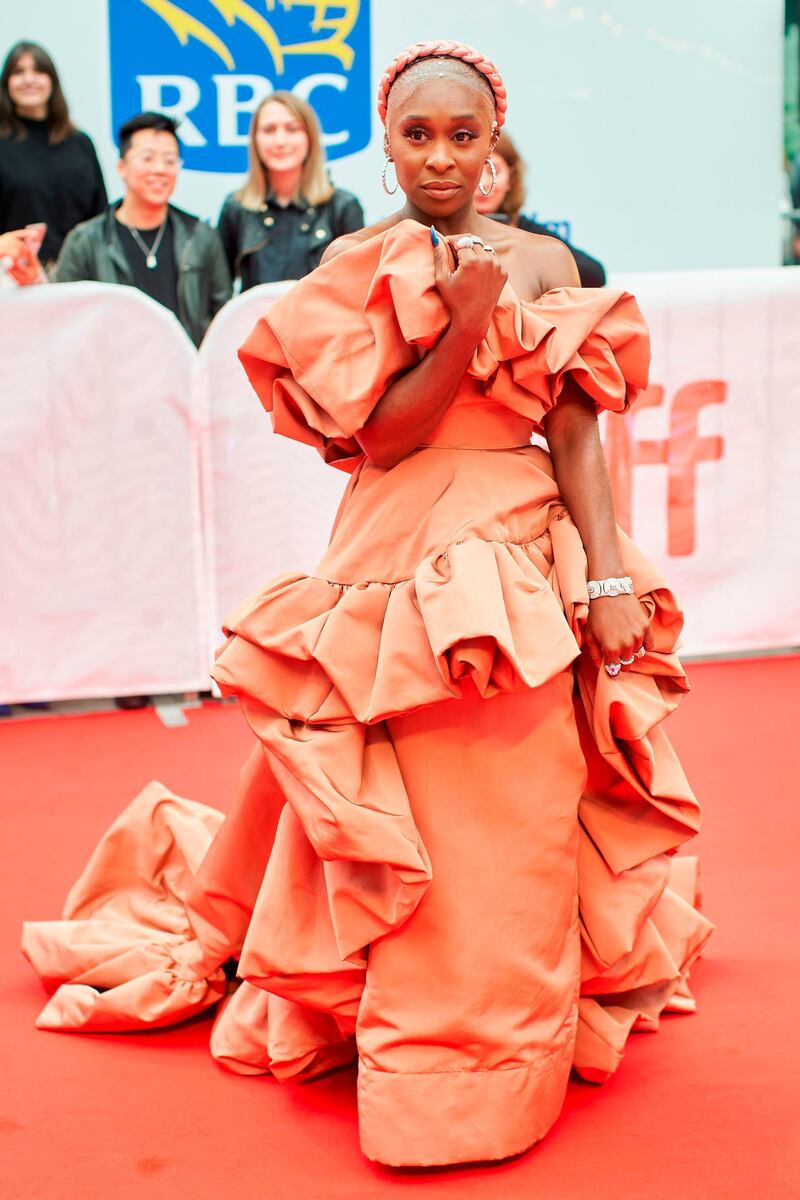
pixel 472 289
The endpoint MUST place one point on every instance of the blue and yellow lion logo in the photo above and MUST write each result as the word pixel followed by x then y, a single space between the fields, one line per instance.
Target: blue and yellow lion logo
pixel 209 62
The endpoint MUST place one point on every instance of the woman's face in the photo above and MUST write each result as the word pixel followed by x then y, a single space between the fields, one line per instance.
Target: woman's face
pixel 439 133
pixel 490 204
pixel 29 88
pixel 281 139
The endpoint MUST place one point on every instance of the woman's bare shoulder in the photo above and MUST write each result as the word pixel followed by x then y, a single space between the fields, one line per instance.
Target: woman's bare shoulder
pixel 537 262
pixel 349 240
pixel 551 258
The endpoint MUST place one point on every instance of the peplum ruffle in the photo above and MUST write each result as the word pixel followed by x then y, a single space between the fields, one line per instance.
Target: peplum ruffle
pixel 494 616
pixel 474 581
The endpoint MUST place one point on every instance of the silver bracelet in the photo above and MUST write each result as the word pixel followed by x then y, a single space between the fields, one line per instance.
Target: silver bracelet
pixel 610 587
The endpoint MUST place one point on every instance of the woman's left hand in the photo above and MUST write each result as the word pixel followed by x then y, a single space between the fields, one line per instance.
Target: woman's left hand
pixel 617 626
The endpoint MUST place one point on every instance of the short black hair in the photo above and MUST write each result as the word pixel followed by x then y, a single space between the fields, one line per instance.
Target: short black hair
pixel 146 120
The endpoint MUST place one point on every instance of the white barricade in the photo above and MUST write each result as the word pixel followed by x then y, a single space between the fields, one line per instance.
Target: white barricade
pixel 268 502
pixel 101 582
pixel 114 579
pixel 706 466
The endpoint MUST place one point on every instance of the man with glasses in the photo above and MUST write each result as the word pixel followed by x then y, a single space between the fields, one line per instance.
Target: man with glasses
pixel 146 242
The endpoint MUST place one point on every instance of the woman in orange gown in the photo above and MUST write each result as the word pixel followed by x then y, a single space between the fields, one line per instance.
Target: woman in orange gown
pixel 451 850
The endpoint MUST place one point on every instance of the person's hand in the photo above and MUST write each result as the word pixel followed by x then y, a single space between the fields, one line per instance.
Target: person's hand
pixel 18 254
pixel 469 280
pixel 13 246
pixel 617 627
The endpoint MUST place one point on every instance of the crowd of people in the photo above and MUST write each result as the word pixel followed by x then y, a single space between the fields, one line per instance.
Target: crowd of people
pixel 56 224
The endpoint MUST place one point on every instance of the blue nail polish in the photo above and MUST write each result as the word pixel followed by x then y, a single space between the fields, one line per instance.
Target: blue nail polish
pixel 434 236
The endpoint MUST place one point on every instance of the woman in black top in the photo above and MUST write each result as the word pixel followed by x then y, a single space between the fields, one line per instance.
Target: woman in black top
pixel 279 223
pixel 503 196
pixel 48 169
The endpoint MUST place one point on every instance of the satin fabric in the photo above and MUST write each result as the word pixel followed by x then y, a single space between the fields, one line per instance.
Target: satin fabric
pixel 452 849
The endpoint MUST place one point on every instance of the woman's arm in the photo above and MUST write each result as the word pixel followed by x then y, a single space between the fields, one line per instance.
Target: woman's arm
pixel 416 402
pixel 617 625
pixel 573 437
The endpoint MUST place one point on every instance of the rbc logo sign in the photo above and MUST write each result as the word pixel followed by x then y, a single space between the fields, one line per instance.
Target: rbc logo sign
pixel 208 63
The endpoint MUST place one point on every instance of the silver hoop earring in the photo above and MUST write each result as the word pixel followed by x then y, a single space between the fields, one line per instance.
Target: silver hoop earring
pixel 389 191
pixel 481 189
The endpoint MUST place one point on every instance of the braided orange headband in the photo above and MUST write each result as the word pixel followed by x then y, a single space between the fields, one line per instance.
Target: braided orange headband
pixel 443 50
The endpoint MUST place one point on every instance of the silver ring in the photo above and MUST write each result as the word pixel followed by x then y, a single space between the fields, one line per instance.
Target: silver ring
pixel 490 249
pixel 626 662
pixel 469 239
pixel 613 669
pixel 640 653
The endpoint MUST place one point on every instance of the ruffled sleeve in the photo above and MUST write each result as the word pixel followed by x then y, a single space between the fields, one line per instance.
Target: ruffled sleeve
pixel 597 337
pixel 325 353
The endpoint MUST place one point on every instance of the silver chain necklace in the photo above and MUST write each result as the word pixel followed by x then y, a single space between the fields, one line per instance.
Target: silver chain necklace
pixel 150 252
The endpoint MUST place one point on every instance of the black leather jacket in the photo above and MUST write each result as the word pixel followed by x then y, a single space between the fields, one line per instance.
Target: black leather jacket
pixel 93 250
pixel 276 242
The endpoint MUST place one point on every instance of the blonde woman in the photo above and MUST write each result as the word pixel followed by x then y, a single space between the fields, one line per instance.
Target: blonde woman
pixel 279 223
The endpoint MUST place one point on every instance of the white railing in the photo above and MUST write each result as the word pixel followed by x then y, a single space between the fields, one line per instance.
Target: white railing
pixel 143 494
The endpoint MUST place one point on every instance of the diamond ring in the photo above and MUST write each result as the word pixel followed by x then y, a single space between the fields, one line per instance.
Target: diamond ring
pixel 626 662
pixel 613 669
pixel 469 239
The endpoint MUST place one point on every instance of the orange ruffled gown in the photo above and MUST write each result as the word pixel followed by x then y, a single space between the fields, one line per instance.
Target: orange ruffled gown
pixel 451 849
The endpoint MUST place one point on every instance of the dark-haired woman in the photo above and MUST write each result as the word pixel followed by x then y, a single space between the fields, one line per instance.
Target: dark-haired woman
pixel 502 196
pixel 49 171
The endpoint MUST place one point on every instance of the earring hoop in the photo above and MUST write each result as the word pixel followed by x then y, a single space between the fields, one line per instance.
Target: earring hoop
pixel 389 191
pixel 488 191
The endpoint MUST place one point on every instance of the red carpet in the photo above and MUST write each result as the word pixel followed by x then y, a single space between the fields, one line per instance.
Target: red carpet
pixel 705 1110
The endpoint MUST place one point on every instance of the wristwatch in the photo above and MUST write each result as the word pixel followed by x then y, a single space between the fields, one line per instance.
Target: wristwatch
pixel 610 587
